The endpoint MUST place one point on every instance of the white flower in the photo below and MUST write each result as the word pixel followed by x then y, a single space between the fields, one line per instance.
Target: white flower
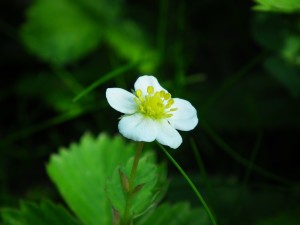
pixel 151 114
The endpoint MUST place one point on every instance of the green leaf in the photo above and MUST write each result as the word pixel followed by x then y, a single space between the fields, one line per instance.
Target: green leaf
pixel 179 214
pixel 60 100
pixel 288 75
pixel 130 42
pixel 285 6
pixel 80 173
pixel 59 31
pixel 107 10
pixel 279 34
pixel 146 184
pixel 44 214
pixel 291 49
pixel 270 30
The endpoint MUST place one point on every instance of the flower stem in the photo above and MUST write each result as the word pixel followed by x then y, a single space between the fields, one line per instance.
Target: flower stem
pixel 127 217
pixel 135 163
pixel 211 216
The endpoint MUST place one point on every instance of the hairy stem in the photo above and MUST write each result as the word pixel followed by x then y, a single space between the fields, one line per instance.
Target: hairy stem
pixel 127 220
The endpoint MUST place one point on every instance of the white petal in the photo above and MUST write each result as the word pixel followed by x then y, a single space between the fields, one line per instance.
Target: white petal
pixel 121 100
pixel 167 135
pixel 185 117
pixel 143 82
pixel 138 128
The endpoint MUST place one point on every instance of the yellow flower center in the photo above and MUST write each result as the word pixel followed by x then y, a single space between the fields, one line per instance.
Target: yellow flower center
pixel 156 105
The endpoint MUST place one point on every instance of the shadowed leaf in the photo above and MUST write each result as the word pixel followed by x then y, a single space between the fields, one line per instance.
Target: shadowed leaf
pixel 44 214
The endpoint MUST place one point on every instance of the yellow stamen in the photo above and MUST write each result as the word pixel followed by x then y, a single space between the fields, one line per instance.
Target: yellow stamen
pixel 138 93
pixel 162 94
pixel 167 96
pixel 156 105
pixel 150 89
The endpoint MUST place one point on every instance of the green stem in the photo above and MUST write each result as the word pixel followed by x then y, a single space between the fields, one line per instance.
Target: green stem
pixel 211 216
pixel 112 74
pixel 135 164
pixel 127 217
pixel 203 173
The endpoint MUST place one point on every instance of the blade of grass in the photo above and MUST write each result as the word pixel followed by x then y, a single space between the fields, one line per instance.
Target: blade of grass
pixel 190 182
pixel 227 149
pixel 243 191
pixel 114 73
pixel 68 79
pixel 254 113
pixel 203 172
pixel 46 124
pixel 232 80
pixel 162 27
pixel 179 55
pixel 199 160
pixel 200 164
pixel 253 157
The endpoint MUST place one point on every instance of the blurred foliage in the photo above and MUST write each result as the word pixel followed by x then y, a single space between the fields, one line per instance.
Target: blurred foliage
pixel 44 214
pixel 288 75
pixel 239 67
pixel 286 43
pixel 59 32
pixel 179 214
pixel 290 218
pixel 79 27
pixel 58 100
pixel 234 201
pixel 286 6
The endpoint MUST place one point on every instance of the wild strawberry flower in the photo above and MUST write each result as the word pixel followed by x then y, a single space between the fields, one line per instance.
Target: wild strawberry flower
pixel 151 113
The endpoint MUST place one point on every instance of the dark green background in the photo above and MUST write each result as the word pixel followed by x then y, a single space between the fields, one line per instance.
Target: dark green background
pixel 238 67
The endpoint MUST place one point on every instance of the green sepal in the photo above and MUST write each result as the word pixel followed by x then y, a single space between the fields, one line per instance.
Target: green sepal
pixel 124 181
pixel 138 188
pixel 147 186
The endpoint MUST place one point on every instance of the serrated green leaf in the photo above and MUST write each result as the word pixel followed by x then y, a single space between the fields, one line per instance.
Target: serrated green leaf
pixel 285 6
pixel 59 31
pixel 288 75
pixel 179 214
pixel 80 174
pixel 146 180
pixel 44 214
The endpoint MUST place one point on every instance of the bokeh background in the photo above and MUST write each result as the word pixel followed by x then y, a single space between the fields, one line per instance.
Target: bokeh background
pixel 237 62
